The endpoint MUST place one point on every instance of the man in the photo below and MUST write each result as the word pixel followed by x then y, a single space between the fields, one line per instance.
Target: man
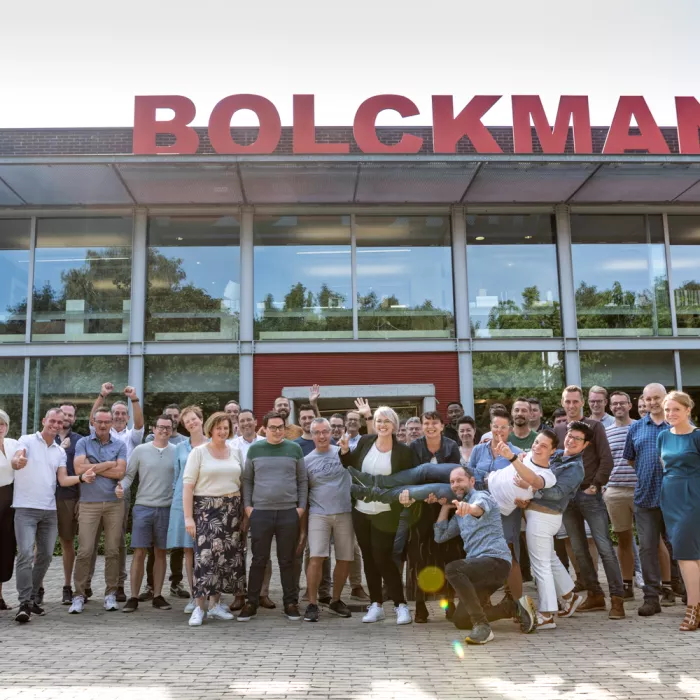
pixel 337 423
pixel 233 409
pixel 455 411
pixel 641 454
pixel 588 506
pixel 275 490
pixel 284 408
pixel 536 420
pixel 597 402
pixel 619 492
pixel 154 464
pixel 521 435
pixel 478 520
pixel 352 428
pixel 330 515
pixel 38 463
pixel 401 433
pixel 306 417
pixel 173 412
pixel 99 508
pixel 414 429
pixel 559 417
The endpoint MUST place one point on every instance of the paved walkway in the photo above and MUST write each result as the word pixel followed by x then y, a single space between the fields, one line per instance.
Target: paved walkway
pixel 153 654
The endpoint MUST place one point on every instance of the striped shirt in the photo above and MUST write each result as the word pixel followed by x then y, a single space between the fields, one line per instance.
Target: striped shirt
pixel 622 474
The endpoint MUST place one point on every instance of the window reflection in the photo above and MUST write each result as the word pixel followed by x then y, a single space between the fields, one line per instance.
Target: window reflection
pixel 194 287
pixel 82 279
pixel 54 380
pixel 14 278
pixel 690 369
pixel 303 286
pixel 684 233
pixel 620 275
pixel 11 390
pixel 404 277
pixel 499 377
pixel 512 274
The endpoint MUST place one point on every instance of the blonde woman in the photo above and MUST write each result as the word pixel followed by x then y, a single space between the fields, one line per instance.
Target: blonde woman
pixel 8 447
pixel 679 450
pixel 211 500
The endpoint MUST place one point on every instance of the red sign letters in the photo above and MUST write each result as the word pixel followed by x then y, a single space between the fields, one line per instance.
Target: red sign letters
pixel 448 128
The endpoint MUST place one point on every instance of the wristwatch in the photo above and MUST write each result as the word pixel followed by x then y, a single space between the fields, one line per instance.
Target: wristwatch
pixel 80 478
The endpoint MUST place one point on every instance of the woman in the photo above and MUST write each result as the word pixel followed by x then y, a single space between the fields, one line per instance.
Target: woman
pixel 376 523
pixel 466 429
pixel 679 450
pixel 8 446
pixel 193 420
pixel 211 500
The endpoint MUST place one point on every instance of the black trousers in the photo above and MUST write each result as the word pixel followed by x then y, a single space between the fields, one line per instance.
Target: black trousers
pixel 7 533
pixel 475 581
pixel 176 559
pixel 376 539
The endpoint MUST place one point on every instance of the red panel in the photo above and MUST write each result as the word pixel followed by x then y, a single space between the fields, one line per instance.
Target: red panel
pixel 273 372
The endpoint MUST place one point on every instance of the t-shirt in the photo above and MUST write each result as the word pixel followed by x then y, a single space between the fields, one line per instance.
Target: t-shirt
pixel 175 439
pixel 102 489
pixel 155 467
pixel 212 476
pixel 622 474
pixel 375 462
pixel 35 483
pixel 502 488
pixel 329 482
pixel 307 446
pixel 523 443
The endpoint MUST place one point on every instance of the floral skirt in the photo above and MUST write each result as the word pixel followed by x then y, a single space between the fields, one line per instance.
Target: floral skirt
pixel 219 547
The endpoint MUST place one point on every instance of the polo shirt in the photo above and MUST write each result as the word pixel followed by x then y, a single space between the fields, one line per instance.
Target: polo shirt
pixel 640 448
pixel 102 489
pixel 35 484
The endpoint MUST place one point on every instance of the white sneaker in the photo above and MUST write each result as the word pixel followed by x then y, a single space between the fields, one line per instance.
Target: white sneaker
pixel 545 623
pixel 219 612
pixel 77 605
pixel 374 613
pixel 190 606
pixel 111 602
pixel 638 580
pixel 403 615
pixel 197 617
pixel 570 606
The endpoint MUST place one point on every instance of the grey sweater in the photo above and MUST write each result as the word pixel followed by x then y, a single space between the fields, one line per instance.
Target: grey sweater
pixel 155 469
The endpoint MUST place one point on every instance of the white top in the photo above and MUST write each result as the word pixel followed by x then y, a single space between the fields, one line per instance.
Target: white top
pixel 375 462
pixel 241 444
pixel 7 473
pixel 35 484
pixel 212 476
pixel 502 488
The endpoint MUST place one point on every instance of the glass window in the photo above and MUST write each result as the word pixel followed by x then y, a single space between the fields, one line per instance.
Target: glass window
pixel 194 290
pixel 404 277
pixel 620 276
pixel 690 373
pixel 684 235
pixel 82 279
pixel 500 377
pixel 208 381
pixel 303 286
pixel 11 390
pixel 512 274
pixel 628 371
pixel 14 278
pixel 54 380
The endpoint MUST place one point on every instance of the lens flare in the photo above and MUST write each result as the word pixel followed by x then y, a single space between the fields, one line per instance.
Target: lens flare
pixel 431 579
pixel 458 649
pixel 444 604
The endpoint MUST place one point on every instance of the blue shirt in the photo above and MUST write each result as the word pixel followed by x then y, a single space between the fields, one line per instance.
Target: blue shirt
pixel 102 489
pixel 482 462
pixel 640 448
pixel 569 472
pixel 64 493
pixel 482 536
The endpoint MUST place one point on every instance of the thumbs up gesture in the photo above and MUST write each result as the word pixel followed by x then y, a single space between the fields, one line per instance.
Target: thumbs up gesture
pixel 19 461
pixel 89 476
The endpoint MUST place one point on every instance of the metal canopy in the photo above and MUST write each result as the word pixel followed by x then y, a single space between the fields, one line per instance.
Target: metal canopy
pixel 387 180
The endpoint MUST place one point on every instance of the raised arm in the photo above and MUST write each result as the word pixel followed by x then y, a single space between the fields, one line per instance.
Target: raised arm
pixel 526 474
pixel 314 396
pixel 105 390
pixel 136 410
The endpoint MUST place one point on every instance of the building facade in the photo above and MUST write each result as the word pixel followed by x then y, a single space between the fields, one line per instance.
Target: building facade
pixel 416 280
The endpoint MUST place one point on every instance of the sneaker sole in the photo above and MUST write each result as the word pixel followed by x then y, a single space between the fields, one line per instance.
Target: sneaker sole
pixel 337 614
pixel 245 619
pixel 310 619
pixel 379 619
pixel 527 616
pixel 162 607
pixel 75 612
pixel 574 607
pixel 488 639
pixel 548 626
pixel 115 608
pixel 293 618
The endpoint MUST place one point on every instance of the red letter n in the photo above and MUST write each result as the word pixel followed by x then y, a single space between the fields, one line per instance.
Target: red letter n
pixel 147 127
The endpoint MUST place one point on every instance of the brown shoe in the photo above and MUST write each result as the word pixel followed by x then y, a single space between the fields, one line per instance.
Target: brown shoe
pixel 265 602
pixel 617 608
pixel 594 601
pixel 238 603
pixel 691 621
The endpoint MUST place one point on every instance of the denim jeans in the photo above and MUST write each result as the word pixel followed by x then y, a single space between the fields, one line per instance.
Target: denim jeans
pixel 33 526
pixel 650 525
pixel 592 509
pixel 423 474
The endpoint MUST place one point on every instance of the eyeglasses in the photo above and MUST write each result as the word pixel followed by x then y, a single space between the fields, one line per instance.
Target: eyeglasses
pixel 164 427
pixel 596 401
pixel 575 439
pixel 275 428
pixel 320 432
pixel 618 404
pixel 103 422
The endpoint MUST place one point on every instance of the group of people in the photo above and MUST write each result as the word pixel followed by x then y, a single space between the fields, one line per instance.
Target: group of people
pixel 422 494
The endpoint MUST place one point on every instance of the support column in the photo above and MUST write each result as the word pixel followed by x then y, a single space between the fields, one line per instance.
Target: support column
pixel 247 310
pixel 25 396
pixel 466 382
pixel 139 257
pixel 677 369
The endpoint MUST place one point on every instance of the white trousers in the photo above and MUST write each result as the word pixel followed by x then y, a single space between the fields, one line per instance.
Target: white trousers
pixel 552 578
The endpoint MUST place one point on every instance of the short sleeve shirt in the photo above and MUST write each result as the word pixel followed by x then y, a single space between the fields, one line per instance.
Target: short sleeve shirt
pixel 640 448
pixel 102 489
pixel 35 484
pixel 329 483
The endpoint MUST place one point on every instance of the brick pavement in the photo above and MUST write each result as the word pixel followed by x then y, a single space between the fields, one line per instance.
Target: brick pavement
pixel 155 655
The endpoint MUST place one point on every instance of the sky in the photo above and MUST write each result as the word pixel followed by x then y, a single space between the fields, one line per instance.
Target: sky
pixel 79 63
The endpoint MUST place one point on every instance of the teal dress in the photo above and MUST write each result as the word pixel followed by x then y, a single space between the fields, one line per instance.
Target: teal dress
pixel 177 535
pixel 680 491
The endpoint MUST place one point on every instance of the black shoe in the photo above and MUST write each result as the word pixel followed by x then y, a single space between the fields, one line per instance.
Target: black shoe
pixel 421 615
pixel 120 595
pixel 503 610
pixel 362 478
pixel 339 608
pixel 146 595
pixel 39 597
pixel 249 611
pixel 67 597
pixel 291 612
pixel 34 609
pixel 88 593
pixel 131 605
pixel 450 610
pixel 668 597
pixel 326 600
pixel 479 635
pixel 178 591
pixel 629 592
pixel 649 608
pixel 24 613
pixel 311 614
pixel 160 603
pixel 4 605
